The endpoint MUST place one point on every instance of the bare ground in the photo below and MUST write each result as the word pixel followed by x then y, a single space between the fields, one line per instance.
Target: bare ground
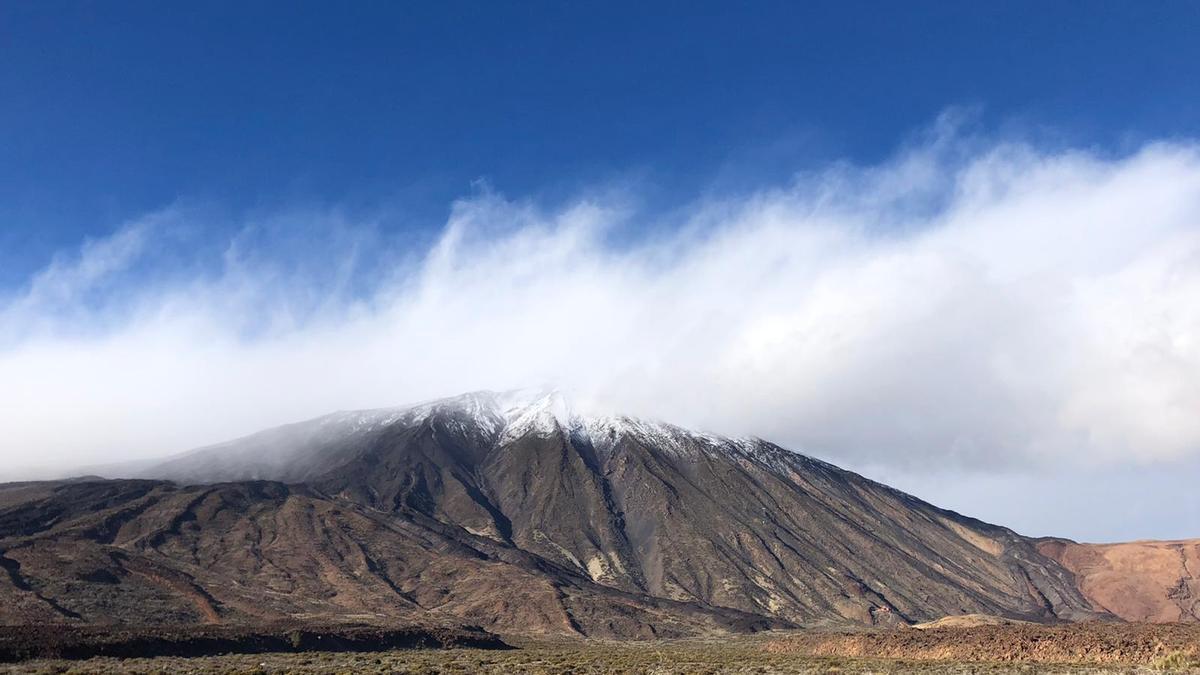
pixel 1088 643
pixel 1089 648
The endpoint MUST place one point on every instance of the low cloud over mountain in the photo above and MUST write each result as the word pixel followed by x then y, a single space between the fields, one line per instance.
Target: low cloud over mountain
pixel 978 306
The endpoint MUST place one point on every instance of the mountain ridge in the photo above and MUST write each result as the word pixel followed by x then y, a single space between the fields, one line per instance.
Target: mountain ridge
pixel 599 525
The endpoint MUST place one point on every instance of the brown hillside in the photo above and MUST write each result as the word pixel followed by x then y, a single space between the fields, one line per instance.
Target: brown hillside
pixel 1138 581
pixel 519 517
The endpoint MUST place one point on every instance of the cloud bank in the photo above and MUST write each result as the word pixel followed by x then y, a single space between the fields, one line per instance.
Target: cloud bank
pixel 963 304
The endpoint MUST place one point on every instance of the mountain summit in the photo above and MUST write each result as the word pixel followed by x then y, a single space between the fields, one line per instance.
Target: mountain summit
pixel 513 512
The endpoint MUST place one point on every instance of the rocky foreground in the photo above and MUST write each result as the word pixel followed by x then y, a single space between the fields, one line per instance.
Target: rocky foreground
pixel 68 642
pixel 1074 649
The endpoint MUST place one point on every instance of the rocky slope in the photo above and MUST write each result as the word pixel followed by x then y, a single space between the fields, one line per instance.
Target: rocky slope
pixel 517 515
pixel 152 552
pixel 1152 581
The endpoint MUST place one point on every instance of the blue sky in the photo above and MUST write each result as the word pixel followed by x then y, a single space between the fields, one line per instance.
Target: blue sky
pixel 111 110
pixel 955 246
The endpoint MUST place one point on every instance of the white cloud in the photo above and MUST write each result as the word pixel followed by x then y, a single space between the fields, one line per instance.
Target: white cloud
pixel 953 307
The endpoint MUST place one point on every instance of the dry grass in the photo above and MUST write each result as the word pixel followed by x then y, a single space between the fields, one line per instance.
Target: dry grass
pixel 736 656
pixel 1119 644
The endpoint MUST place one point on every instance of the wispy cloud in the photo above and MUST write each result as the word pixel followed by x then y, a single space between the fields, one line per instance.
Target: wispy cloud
pixel 962 304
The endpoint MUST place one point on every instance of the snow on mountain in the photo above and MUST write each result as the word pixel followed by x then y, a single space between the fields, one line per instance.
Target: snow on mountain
pixel 294 452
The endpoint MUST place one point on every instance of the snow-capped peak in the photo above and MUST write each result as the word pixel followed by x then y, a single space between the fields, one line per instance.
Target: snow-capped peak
pixel 495 419
pixel 512 415
pixel 540 413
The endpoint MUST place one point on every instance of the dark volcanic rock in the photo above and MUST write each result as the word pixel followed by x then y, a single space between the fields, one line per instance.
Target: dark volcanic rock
pixel 262 551
pixel 515 515
pixel 51 641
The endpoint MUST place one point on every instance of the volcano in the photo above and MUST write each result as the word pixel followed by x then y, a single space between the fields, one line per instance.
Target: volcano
pixel 515 513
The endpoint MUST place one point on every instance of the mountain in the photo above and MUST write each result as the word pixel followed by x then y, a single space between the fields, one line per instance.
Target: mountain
pixel 1153 581
pixel 517 514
